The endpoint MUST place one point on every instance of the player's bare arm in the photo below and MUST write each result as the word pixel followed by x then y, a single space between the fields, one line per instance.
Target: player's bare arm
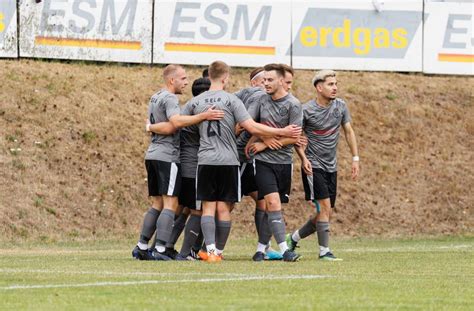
pixel 162 128
pixel 352 142
pixel 211 114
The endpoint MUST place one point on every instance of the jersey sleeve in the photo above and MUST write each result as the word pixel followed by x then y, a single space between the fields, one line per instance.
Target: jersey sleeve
pixel 240 113
pixel 346 115
pixel 172 106
pixel 296 114
pixel 255 102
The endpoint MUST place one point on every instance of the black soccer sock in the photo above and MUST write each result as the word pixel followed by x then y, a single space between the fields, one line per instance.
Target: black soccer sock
pixel 307 229
pixel 322 227
pixel 277 226
pixel 208 227
pixel 222 233
pixel 149 225
pixel 164 226
pixel 191 234
pixel 178 228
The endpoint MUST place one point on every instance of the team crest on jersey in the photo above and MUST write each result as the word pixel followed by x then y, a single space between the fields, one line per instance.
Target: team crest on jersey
pixel 336 113
pixel 283 111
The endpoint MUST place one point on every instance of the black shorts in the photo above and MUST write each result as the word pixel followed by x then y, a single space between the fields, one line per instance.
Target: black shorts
pixel 322 185
pixel 187 195
pixel 247 178
pixel 272 178
pixel 218 183
pixel 164 178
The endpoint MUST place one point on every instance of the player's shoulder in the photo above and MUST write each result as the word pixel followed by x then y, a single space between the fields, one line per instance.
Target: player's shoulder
pixel 293 100
pixel 340 102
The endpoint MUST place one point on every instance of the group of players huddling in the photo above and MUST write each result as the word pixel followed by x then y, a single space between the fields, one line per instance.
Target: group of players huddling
pixel 204 156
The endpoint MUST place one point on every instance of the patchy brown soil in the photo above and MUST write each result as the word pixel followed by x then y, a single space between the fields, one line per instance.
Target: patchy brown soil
pixel 72 146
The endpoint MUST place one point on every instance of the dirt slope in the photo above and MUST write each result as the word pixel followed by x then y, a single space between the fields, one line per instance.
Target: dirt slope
pixel 72 146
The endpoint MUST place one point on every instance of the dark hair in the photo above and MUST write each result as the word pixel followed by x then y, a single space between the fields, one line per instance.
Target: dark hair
pixel 277 67
pixel 255 72
pixel 288 68
pixel 205 73
pixel 200 85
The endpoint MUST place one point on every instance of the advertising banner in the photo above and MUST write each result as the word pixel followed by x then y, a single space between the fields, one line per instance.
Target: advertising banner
pixel 103 30
pixel 8 29
pixel 357 35
pixel 241 33
pixel 448 37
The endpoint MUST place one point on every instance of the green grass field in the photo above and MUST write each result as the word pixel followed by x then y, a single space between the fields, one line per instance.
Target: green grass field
pixel 420 274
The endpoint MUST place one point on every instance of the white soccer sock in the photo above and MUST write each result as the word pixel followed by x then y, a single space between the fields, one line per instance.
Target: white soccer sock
pixel 323 250
pixel 283 247
pixel 296 236
pixel 160 248
pixel 142 246
pixel 261 247
pixel 211 248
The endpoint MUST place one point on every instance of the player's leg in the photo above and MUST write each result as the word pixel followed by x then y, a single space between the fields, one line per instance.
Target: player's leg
pixel 149 221
pixel 178 227
pixel 208 227
pixel 322 220
pixel 310 226
pixel 164 226
pixel 270 182
pixel 228 193
pixel 223 226
pixel 169 186
pixel 192 229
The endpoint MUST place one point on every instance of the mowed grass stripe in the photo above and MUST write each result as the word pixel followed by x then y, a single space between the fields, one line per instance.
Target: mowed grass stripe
pixel 147 282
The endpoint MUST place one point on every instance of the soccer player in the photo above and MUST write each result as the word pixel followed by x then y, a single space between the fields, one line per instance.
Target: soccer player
pixel 218 163
pixel 189 157
pixel 276 108
pixel 247 165
pixel 323 119
pixel 162 161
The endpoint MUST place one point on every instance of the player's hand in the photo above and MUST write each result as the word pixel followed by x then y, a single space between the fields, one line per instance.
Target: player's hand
pixel 247 151
pixel 302 141
pixel 293 131
pixel 238 129
pixel 213 114
pixel 147 124
pixel 307 167
pixel 355 169
pixel 257 147
pixel 273 143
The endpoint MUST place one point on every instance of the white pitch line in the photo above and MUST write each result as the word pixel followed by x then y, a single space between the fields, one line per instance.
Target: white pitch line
pixel 204 280
pixel 112 273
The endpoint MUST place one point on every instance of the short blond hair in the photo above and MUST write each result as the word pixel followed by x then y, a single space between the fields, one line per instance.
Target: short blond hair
pixel 218 69
pixel 170 71
pixel 322 75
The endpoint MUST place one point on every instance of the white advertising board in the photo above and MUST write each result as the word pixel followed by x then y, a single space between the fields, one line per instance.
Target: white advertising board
pixel 240 33
pixel 103 30
pixel 358 34
pixel 449 37
pixel 8 29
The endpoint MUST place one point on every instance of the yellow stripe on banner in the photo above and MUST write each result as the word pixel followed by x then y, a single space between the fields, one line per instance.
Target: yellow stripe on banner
pixel 214 48
pixel 89 43
pixel 459 58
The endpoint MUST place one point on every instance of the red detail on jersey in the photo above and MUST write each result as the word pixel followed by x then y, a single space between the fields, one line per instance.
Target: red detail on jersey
pixel 326 132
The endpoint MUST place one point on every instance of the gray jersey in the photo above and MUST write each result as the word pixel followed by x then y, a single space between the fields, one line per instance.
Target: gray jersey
pixel 163 105
pixel 189 144
pixel 278 114
pixel 217 138
pixel 322 127
pixel 247 96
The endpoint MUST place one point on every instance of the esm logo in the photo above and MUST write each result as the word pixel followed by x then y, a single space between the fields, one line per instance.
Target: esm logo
pixel 214 21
